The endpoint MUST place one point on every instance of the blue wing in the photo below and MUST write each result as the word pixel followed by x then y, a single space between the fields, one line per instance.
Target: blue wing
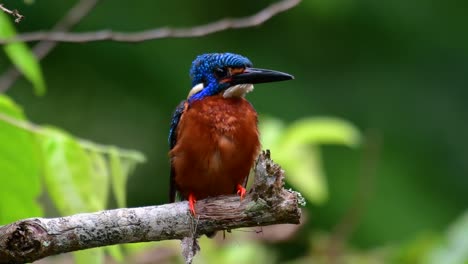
pixel 172 142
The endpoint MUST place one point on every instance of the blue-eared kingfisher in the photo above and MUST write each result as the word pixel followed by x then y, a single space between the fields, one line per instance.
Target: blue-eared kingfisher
pixel 213 138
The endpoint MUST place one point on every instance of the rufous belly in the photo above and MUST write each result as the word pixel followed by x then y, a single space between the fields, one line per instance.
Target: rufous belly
pixel 217 144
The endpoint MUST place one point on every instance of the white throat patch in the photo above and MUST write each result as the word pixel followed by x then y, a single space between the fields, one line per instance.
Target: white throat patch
pixel 195 89
pixel 235 91
pixel 238 90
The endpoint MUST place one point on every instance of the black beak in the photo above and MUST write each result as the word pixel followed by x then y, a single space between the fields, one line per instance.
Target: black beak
pixel 253 75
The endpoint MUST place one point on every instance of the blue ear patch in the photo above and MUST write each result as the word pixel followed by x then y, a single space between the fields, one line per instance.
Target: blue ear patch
pixel 204 65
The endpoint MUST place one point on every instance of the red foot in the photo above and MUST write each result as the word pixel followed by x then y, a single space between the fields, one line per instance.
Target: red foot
pixel 192 201
pixel 241 191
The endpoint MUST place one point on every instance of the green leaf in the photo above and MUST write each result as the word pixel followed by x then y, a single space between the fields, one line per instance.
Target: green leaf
pixel 454 249
pixel 68 172
pixel 322 130
pixel 295 148
pixel 76 172
pixel 100 177
pixel 271 131
pixel 305 173
pixel 136 248
pixel 231 253
pixel 416 249
pixel 21 56
pixel 19 167
pixel 119 177
pixel 89 256
pixel 116 253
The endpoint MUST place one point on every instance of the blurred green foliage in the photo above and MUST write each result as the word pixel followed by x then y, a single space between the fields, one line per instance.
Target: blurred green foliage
pixel 76 174
pixel 21 56
pixel 296 148
pixel 397 67
pixel 19 167
pixel 454 245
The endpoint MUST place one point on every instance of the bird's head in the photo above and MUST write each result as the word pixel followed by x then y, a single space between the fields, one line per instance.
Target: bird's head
pixel 227 73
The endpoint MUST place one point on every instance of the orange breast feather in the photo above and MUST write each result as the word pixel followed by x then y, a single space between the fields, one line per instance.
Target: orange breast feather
pixel 217 144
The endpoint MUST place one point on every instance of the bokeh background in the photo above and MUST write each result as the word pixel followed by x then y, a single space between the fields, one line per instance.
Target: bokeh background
pixel 397 70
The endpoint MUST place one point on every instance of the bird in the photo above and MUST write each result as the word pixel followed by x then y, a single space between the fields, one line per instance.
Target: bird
pixel 213 136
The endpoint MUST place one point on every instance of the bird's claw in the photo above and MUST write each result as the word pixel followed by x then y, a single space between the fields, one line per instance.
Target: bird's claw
pixel 192 201
pixel 241 191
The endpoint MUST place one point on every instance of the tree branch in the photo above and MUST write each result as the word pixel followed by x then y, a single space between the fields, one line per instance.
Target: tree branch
pixel 159 33
pixel 15 13
pixel 48 40
pixel 266 203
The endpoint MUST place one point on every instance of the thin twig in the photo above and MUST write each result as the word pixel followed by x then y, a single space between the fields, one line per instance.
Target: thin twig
pixel 59 34
pixel 41 49
pixel 159 33
pixel 15 13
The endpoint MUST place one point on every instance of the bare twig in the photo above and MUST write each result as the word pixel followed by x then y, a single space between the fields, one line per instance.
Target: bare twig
pixel 159 33
pixel 15 13
pixel 41 49
pixel 267 203
pixel 59 34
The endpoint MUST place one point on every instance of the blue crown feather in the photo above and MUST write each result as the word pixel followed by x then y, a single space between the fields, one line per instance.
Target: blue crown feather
pixel 204 65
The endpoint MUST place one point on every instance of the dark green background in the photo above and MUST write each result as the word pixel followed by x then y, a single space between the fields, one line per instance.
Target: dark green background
pixel 399 68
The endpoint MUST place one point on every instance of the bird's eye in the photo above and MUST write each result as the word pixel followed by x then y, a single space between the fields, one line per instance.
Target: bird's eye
pixel 221 72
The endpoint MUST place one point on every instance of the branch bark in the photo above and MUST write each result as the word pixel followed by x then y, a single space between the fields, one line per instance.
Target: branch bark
pixel 15 13
pixel 266 203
